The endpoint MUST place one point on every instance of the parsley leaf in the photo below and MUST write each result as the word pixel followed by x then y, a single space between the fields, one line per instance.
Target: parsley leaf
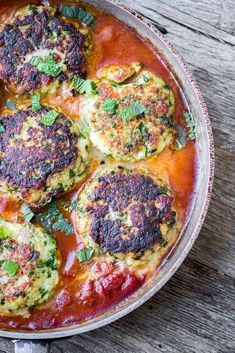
pixel 163 242
pixel 11 104
pixel 4 232
pixel 28 214
pixel 47 65
pixel 79 13
pixel 11 268
pixel 110 105
pixel 2 128
pixel 132 110
pixel 35 100
pixel 86 254
pixel 49 118
pixel 84 86
pixel 190 124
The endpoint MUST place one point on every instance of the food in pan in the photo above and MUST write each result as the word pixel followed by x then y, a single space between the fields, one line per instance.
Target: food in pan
pixel 43 153
pixel 125 210
pixel 97 163
pixel 37 48
pixel 129 121
pixel 29 264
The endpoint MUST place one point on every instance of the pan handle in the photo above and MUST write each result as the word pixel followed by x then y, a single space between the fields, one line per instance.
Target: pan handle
pixel 23 346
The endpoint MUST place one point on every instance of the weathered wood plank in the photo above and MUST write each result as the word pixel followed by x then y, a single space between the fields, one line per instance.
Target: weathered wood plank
pixel 192 313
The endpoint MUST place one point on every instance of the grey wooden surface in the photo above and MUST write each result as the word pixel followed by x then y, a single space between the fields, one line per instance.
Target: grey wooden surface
pixel 195 311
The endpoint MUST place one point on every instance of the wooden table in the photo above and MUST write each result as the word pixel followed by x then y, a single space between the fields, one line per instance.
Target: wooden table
pixel 195 311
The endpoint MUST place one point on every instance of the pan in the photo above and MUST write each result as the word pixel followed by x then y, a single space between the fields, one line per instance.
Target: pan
pixel 37 342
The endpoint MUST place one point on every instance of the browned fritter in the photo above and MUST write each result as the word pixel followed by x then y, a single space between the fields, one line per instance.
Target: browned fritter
pixel 34 29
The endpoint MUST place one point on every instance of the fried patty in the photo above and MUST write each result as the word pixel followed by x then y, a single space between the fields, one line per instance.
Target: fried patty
pixel 35 32
pixel 130 121
pixel 124 210
pixel 28 267
pixel 38 161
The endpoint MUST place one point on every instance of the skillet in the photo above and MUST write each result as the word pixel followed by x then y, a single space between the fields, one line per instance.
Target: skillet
pixel 36 342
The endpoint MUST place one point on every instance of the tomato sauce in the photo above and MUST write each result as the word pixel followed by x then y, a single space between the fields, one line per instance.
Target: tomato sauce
pixel 113 43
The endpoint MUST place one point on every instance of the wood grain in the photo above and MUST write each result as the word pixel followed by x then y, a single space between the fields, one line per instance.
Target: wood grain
pixel 195 311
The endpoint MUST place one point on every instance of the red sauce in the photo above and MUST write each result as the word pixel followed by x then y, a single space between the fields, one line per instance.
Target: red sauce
pixel 115 43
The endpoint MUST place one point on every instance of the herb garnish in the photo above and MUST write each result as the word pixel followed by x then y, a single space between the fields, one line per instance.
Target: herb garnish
pixel 79 13
pixel 53 219
pixel 47 65
pixel 84 86
pixel 182 137
pixel 27 212
pixel 2 128
pixel 35 100
pixel 132 110
pixel 163 242
pixel 11 268
pixel 110 105
pixel 190 124
pixel 4 232
pixel 49 118
pixel 11 104
pixel 86 254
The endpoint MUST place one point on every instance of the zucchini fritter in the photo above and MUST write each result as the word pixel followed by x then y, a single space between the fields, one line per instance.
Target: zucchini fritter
pixel 130 121
pixel 40 161
pixel 28 267
pixel 124 210
pixel 35 32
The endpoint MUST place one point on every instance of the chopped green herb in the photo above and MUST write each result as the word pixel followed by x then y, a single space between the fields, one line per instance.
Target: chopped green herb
pixel 35 100
pixel 163 241
pixel 2 128
pixel 11 268
pixel 110 105
pixel 79 13
pixel 53 219
pixel 28 214
pixel 47 65
pixel 182 137
pixel 49 118
pixel 145 78
pixel 86 254
pixel 4 232
pixel 11 104
pixel 84 86
pixel 71 173
pixel 64 226
pixel 164 190
pixel 190 124
pixel 132 110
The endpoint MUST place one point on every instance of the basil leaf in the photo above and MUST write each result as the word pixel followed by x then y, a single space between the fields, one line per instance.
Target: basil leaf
pixel 11 268
pixel 190 124
pixel 49 118
pixel 86 254
pixel 84 86
pixel 132 110
pixel 47 65
pixel 28 214
pixel 35 100
pixel 78 13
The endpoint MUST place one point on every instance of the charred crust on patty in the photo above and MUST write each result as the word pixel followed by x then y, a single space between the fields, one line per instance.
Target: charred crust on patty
pixel 34 31
pixel 126 209
pixel 31 152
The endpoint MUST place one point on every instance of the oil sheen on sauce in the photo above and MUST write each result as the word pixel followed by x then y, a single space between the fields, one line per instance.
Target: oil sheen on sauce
pixel 114 43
